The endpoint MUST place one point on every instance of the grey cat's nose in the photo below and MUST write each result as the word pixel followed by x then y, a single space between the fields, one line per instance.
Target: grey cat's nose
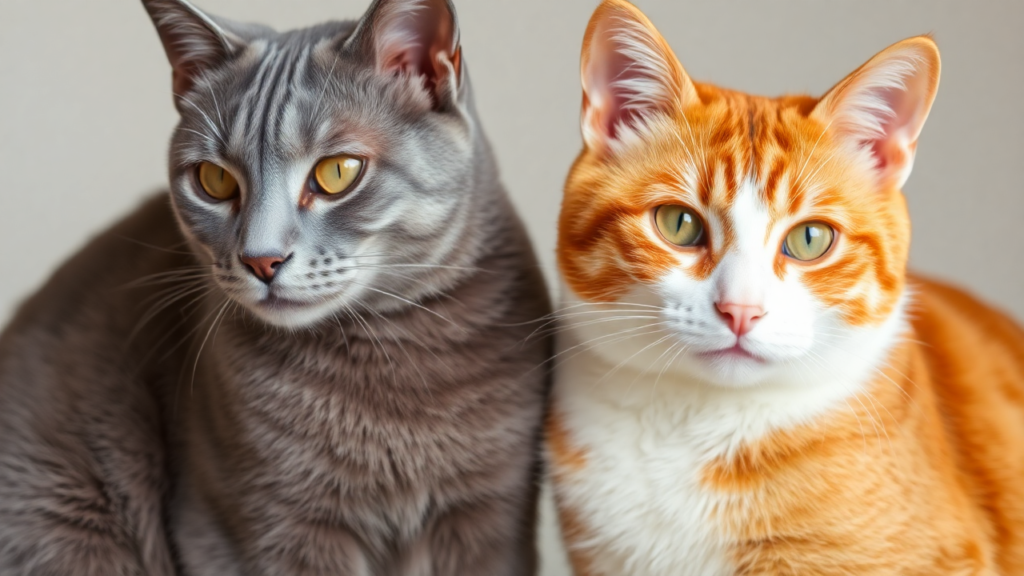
pixel 263 267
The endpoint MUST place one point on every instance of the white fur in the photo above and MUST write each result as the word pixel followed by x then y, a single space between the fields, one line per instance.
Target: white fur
pixel 644 83
pixel 650 413
pixel 865 110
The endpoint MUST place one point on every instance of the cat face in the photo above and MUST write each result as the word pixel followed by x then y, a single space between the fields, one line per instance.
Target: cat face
pixel 323 169
pixel 738 239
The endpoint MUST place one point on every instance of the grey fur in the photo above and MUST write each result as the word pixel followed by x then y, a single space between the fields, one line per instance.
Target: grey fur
pixel 157 417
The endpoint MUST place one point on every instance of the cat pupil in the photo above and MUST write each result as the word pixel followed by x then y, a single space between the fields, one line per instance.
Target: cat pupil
pixel 808 234
pixel 679 224
pixel 339 170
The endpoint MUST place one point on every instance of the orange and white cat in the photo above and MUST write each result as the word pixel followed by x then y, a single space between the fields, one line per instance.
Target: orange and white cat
pixel 748 381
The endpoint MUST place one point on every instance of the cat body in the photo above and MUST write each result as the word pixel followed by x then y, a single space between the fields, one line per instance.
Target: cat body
pixel 269 372
pixel 751 384
pixel 658 475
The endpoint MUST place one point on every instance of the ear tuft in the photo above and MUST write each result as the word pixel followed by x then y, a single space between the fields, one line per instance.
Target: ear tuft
pixel 193 41
pixel 881 107
pixel 418 38
pixel 628 73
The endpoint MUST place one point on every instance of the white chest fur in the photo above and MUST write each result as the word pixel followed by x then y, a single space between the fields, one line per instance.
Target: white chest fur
pixel 647 439
pixel 639 493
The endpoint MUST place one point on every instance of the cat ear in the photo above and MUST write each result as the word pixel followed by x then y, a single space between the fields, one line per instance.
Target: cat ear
pixel 415 37
pixel 881 108
pixel 194 42
pixel 628 72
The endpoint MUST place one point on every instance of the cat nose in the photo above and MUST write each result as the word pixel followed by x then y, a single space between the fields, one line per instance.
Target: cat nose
pixel 263 267
pixel 740 317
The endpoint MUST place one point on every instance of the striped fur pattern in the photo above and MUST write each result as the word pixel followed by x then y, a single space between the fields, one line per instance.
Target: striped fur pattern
pixel 277 109
pixel 374 408
pixel 840 432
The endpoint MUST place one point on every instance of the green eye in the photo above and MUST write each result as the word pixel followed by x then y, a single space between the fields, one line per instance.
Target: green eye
pixel 808 241
pixel 337 174
pixel 217 182
pixel 679 225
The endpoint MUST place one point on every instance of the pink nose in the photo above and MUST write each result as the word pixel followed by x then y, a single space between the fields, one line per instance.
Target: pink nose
pixel 740 317
pixel 263 267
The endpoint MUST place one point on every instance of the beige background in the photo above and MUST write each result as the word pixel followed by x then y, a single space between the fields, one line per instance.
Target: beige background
pixel 85 112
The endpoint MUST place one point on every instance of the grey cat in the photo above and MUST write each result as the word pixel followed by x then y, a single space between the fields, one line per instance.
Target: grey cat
pixel 312 356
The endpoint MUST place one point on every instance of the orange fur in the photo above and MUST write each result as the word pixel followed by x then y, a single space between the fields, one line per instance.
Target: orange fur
pixel 563 453
pixel 567 459
pixel 603 248
pixel 923 476
pixel 573 531
pixel 924 473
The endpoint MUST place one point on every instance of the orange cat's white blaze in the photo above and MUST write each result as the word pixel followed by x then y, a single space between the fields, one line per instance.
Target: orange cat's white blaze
pixel 687 354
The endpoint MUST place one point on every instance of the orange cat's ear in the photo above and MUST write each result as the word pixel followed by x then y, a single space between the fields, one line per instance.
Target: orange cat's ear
pixel 629 73
pixel 881 108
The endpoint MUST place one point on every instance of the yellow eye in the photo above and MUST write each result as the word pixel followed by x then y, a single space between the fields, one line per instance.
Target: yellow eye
pixel 336 175
pixel 808 241
pixel 218 182
pixel 679 225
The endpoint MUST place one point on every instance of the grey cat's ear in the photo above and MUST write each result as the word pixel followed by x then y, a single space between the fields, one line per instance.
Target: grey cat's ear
pixel 419 37
pixel 194 42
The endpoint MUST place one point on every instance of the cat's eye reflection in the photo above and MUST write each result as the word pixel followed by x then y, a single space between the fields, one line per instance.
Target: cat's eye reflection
pixel 337 174
pixel 679 225
pixel 808 241
pixel 217 181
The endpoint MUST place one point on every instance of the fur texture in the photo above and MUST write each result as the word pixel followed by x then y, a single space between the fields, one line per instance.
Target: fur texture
pixel 373 409
pixel 863 422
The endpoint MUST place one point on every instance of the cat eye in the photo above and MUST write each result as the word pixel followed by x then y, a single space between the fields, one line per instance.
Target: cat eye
pixel 337 174
pixel 679 225
pixel 217 181
pixel 808 241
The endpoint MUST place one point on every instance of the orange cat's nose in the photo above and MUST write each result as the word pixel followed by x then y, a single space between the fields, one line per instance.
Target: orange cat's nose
pixel 740 317
pixel 263 267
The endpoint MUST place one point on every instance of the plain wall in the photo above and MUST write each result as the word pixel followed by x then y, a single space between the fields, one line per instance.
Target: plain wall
pixel 86 113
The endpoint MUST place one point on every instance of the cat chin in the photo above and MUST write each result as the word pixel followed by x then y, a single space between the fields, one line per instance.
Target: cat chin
pixel 726 370
pixel 291 314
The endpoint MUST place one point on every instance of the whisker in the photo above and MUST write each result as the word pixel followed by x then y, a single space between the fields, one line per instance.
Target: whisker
pixel 166 278
pixel 169 250
pixel 407 301
pixel 680 348
pixel 327 82
pixel 541 331
pixel 195 365
pixel 811 153
pixel 605 339
pixel 631 356
pixel 209 122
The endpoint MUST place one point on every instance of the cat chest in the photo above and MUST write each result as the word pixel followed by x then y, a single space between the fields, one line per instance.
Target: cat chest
pixel 372 444
pixel 636 489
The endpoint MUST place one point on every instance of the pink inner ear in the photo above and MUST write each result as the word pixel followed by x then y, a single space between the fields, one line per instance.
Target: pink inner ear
pixel 629 74
pixel 893 149
pixel 883 105
pixel 404 49
pixel 411 42
pixel 607 66
pixel 619 109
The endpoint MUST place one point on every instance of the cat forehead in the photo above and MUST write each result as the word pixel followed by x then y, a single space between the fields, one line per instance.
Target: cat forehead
pixel 275 69
pixel 289 95
pixel 706 155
